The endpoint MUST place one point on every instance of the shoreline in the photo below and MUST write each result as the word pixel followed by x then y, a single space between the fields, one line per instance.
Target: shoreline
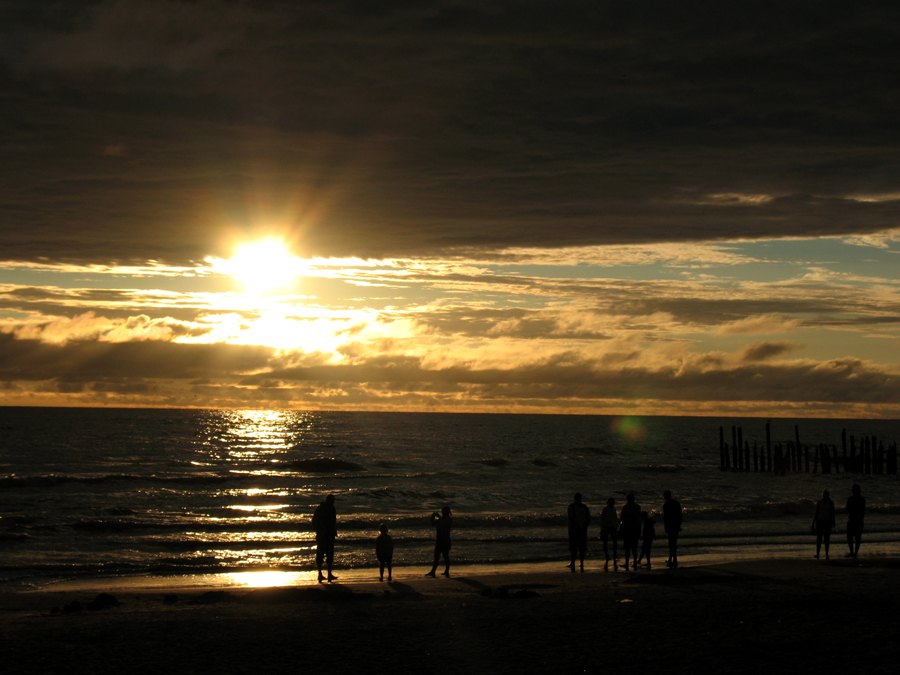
pixel 278 578
pixel 736 616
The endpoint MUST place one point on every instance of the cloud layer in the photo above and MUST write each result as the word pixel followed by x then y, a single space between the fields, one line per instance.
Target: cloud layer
pixel 137 130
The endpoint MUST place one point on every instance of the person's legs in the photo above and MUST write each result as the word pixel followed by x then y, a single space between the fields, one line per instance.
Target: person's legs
pixel 615 538
pixel 827 538
pixel 329 559
pixel 437 559
pixel 818 542
pixel 854 538
pixel 320 558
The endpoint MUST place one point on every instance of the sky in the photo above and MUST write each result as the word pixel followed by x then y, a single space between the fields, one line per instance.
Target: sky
pixel 605 207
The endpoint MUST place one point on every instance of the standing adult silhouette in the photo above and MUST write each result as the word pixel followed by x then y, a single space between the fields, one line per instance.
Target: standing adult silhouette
pixel 823 522
pixel 384 552
pixel 856 511
pixel 672 517
pixel 609 528
pixel 325 524
pixel 579 517
pixel 630 529
pixel 443 524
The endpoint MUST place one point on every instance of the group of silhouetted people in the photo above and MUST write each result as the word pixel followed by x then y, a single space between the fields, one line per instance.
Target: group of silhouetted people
pixel 325 525
pixel 631 525
pixel 823 521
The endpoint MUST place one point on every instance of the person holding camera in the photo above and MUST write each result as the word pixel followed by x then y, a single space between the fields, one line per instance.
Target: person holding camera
pixel 443 523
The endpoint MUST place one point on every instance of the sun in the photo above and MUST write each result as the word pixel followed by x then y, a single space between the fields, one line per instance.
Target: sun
pixel 262 266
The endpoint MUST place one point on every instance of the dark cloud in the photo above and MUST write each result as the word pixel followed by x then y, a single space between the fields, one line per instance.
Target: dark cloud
pixel 570 376
pixel 763 350
pixel 164 373
pixel 134 130
pixel 89 360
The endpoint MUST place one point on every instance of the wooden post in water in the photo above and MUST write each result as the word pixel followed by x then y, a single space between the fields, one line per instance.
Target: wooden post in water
pixel 721 449
pixel 836 469
pixel 768 446
pixel 867 461
pixel 747 456
pixel 734 450
pixel 853 462
pixel 844 449
pixel 816 461
pixel 740 449
pixel 881 457
pixel 755 458
pixel 874 454
pixel 873 457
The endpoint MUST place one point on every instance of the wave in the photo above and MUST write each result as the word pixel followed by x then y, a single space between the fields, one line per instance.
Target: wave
pixel 494 462
pixel 323 465
pixel 658 468
pixel 395 493
pixel 594 451
pixel 55 480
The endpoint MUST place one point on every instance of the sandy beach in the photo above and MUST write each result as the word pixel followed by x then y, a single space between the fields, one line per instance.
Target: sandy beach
pixel 808 615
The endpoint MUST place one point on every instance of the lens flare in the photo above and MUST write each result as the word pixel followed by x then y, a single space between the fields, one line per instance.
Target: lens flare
pixel 630 428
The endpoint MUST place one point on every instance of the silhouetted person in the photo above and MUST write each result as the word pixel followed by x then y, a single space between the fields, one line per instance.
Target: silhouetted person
pixel 325 524
pixel 443 523
pixel 609 528
pixel 672 517
pixel 579 517
pixel 856 511
pixel 823 522
pixel 648 532
pixel 384 551
pixel 630 529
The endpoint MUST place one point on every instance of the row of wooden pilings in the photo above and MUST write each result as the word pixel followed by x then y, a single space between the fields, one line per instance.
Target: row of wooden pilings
pixel 871 457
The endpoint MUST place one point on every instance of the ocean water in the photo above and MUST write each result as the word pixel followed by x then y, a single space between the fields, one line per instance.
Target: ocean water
pixel 125 493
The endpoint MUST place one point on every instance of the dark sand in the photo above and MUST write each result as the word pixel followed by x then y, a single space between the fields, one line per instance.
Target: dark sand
pixel 756 617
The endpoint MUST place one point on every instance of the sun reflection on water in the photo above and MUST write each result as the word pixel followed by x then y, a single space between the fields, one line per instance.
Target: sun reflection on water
pixel 269 578
pixel 252 438
pixel 259 507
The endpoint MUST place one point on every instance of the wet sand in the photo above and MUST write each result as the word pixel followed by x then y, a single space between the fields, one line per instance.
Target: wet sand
pixel 742 617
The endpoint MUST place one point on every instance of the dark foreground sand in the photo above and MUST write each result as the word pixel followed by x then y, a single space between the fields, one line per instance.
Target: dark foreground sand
pixel 757 617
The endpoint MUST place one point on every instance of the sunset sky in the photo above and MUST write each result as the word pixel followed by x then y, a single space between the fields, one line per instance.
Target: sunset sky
pixel 588 207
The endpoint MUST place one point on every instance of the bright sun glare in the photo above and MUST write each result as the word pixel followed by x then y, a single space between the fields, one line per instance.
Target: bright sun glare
pixel 262 266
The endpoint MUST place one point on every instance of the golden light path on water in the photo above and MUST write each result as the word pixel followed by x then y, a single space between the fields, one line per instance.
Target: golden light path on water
pixel 268 579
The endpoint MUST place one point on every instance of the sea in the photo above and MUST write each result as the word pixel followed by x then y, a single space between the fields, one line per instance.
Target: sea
pixel 226 497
